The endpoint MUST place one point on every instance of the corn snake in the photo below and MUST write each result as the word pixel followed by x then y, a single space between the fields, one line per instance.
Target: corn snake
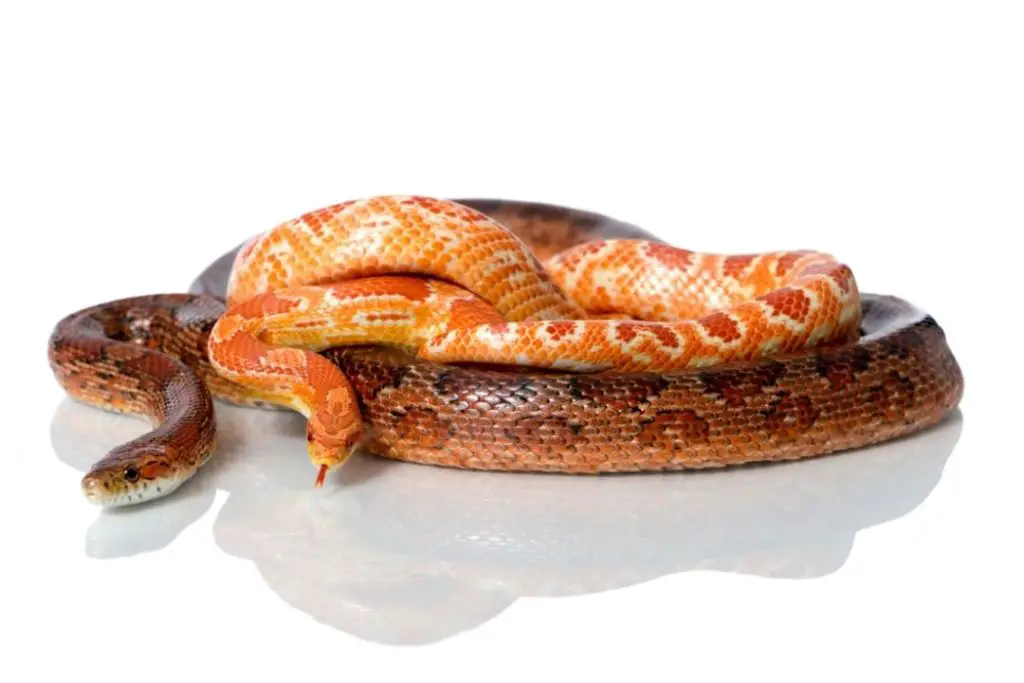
pixel 869 368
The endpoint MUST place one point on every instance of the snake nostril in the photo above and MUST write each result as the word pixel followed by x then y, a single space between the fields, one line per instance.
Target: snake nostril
pixel 92 487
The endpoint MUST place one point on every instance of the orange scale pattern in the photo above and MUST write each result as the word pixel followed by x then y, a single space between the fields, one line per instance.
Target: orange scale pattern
pixel 387 235
pixel 454 286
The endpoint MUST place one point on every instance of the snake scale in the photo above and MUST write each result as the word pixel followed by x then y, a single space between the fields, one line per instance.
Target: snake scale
pixel 503 335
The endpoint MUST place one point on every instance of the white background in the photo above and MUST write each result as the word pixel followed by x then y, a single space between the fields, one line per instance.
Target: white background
pixel 139 143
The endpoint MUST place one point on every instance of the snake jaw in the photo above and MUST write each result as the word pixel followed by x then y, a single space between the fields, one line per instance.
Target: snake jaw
pixel 102 488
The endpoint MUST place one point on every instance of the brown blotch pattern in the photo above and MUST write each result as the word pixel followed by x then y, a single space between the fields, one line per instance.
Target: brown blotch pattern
pixel 627 394
pixel 678 429
pixel 543 430
pixel 789 416
pixel 735 387
pixel 371 385
pixel 843 370
pixel 892 397
pixel 421 427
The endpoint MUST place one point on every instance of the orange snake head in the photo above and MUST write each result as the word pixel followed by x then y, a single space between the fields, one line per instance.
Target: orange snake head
pixel 134 473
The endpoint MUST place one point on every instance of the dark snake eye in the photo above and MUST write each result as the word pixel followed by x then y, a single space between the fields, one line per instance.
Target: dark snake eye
pixel 131 474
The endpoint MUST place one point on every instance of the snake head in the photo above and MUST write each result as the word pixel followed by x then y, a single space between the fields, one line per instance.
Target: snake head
pixel 133 473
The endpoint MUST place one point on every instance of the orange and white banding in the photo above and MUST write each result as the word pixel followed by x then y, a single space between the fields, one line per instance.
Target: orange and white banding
pixel 360 273
pixel 270 342
pixel 401 234
pixel 723 308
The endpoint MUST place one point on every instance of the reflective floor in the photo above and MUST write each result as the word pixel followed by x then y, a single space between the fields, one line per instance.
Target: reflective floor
pixel 410 554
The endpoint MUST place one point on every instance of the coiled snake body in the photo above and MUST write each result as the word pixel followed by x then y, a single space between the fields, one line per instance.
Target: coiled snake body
pixel 505 336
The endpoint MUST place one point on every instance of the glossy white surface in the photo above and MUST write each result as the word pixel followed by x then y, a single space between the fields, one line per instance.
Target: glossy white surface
pixel 403 554
pixel 138 145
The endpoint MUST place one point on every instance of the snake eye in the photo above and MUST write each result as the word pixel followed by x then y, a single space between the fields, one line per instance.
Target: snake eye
pixel 131 474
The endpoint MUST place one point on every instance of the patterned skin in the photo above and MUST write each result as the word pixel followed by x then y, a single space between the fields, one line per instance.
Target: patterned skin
pixel 403 234
pixel 271 343
pixel 726 308
pixel 834 389
pixel 138 356
pixel 749 306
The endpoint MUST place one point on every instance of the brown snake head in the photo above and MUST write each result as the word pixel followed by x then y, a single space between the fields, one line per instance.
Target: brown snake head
pixel 132 473
pixel 141 356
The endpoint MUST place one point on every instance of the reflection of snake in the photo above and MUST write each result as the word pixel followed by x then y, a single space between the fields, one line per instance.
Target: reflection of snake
pixel 896 378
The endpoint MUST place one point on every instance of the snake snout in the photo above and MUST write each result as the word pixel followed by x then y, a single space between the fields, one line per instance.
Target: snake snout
pixel 130 475
pixel 104 486
pixel 92 487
